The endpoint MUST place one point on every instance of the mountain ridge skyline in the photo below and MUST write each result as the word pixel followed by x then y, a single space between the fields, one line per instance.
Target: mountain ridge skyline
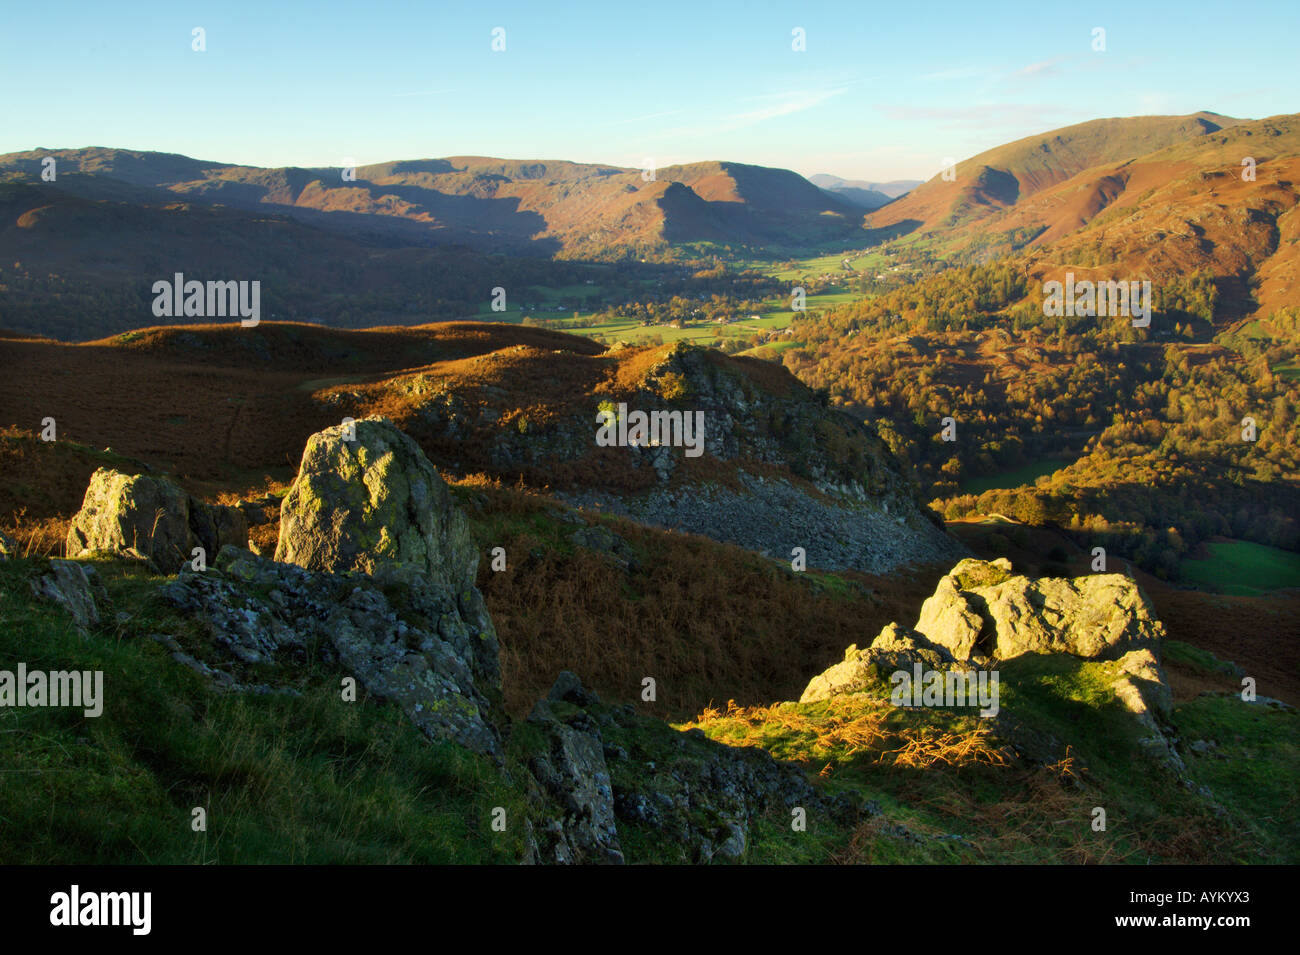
pixel 863 100
pixel 911 180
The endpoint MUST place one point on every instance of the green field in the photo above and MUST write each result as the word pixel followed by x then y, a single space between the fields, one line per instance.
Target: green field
pixel 863 262
pixel 823 264
pixel 823 300
pixel 1013 478
pixel 565 293
pixel 1243 569
pixel 1289 372
pixel 774 315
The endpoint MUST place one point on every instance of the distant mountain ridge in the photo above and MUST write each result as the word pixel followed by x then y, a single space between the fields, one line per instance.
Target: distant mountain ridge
pixel 869 195
pixel 999 178
pixel 547 207
pixel 1158 197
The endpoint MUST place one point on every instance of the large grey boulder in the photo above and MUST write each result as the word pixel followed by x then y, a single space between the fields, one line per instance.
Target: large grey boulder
pixel 152 519
pixel 375 571
pixel 983 612
pixel 404 638
pixel 374 500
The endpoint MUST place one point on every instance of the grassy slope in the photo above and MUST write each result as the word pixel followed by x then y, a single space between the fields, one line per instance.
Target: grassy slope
pixel 942 773
pixel 313 779
pixel 708 621
pixel 284 779
pixel 1038 162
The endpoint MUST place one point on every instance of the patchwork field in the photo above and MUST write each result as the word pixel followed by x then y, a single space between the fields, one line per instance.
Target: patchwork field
pixel 1243 568
pixel 773 316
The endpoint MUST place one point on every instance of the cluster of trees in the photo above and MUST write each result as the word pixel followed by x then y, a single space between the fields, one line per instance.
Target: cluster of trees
pixel 684 310
pixel 1155 424
pixel 703 294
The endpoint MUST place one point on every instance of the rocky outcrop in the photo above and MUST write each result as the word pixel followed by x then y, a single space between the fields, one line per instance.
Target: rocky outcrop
pixel 74 587
pixel 374 572
pixel 894 649
pixel 152 519
pixel 861 512
pixel 572 772
pixel 372 499
pixel 402 636
pixel 1144 691
pixel 602 767
pixel 780 468
pixel 983 612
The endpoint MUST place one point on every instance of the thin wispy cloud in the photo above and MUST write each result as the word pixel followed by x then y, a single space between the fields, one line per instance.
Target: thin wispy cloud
pixel 986 114
pixel 1041 68
pixel 992 76
pixel 785 104
pixel 777 105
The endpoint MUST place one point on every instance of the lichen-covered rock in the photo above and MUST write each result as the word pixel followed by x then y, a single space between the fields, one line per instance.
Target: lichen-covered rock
pixel 374 571
pixel 152 519
pixel 404 637
pixel 72 586
pixel 972 572
pixel 374 501
pixel 1143 689
pixel 950 618
pixel 981 611
pixel 603 767
pixel 1142 686
pixel 893 649
pixel 572 772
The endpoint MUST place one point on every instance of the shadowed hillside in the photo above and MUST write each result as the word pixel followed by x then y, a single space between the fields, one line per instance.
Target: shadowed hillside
pixel 228 408
pixel 537 207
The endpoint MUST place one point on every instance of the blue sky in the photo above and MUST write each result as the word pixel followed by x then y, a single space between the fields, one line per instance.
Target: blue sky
pixel 882 91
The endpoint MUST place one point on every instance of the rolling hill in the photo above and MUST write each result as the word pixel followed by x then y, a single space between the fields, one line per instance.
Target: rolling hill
pixel 999 178
pixel 547 207
pixel 1158 198
pixel 230 406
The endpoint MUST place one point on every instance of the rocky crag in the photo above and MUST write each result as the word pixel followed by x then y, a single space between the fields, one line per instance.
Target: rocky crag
pixel 374 574
pixel 374 577
pixel 982 615
pixel 779 467
pixel 805 475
